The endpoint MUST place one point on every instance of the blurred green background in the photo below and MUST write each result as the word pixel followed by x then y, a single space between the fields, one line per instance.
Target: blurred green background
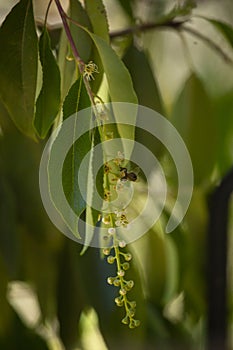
pixel 53 298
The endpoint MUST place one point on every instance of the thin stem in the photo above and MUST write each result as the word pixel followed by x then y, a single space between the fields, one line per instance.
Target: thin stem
pixel 81 64
pixel 62 13
pixel 47 12
pixel 175 25
pixel 139 28
pixel 209 42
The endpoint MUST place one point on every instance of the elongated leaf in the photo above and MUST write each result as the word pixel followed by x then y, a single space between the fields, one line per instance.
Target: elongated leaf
pixel 225 29
pixel 81 38
pixel 97 14
pixel 120 85
pixel 18 65
pixel 67 66
pixel 69 148
pixel 143 81
pixel 118 77
pixel 76 99
pixel 48 102
pixel 194 119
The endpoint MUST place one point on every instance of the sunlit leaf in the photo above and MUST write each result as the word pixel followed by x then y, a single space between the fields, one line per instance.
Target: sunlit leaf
pixel 98 17
pixel 18 65
pixel 48 102
pixel 225 29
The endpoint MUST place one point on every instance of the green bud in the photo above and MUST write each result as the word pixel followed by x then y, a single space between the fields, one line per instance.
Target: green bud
pixel 106 251
pixel 121 273
pixel 119 301
pixel 110 280
pixel 122 291
pixel 128 257
pixel 131 312
pixel 133 304
pixel 125 266
pixel 125 320
pixel 110 259
pixel 132 325
pixel 136 323
pixel 117 282
pixel 130 284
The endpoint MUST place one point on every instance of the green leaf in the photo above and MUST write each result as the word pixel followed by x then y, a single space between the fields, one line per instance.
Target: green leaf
pixel 194 119
pixel 18 65
pixel 67 65
pixel 76 99
pixel 82 40
pixel 97 14
pixel 144 83
pixel 48 102
pixel 147 91
pixel 120 85
pixel 98 17
pixel 127 6
pixel 225 29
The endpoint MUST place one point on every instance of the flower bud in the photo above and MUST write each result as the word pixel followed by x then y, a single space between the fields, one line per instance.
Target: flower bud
pixel 110 259
pixel 128 257
pixel 117 282
pixel 122 291
pixel 122 244
pixel 110 280
pixel 125 320
pixel 106 251
pixel 125 266
pixel 121 273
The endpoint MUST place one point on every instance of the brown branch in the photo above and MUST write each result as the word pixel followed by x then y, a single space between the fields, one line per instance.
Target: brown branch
pixel 208 42
pixel 144 27
pixel 174 25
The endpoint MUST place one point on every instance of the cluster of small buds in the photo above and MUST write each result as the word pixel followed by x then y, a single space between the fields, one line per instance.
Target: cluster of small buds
pixel 107 195
pixel 102 113
pixel 119 158
pixel 120 281
pixel 121 219
pixel 89 69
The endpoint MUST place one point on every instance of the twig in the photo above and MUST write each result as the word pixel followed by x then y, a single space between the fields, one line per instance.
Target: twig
pixel 175 25
pixel 209 42
pixel 144 27
pixel 81 64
